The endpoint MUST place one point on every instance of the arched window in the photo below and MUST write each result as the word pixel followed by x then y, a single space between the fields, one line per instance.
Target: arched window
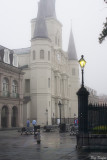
pixel 5 87
pixel 48 55
pixel 14 89
pixel 33 55
pixel 41 54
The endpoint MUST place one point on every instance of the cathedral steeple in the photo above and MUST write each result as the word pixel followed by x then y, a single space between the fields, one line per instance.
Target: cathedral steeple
pixel 40 27
pixel 72 55
pixel 50 8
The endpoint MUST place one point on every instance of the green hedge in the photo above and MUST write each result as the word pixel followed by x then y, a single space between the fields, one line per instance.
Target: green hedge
pixel 100 129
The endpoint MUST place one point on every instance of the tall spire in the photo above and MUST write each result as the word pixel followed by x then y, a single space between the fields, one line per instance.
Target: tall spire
pixel 72 55
pixel 50 8
pixel 40 27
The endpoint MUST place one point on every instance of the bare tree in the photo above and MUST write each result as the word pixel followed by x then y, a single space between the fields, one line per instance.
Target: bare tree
pixel 103 34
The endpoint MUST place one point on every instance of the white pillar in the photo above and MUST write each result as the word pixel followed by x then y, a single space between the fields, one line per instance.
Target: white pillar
pixel 56 86
pixel 66 88
pixel 20 88
pixel 20 115
pixel 64 80
pixel 65 109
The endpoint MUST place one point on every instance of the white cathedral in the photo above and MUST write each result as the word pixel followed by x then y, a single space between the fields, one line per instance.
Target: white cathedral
pixel 50 74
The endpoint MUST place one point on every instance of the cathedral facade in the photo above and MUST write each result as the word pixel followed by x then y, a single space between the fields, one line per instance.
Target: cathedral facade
pixel 51 75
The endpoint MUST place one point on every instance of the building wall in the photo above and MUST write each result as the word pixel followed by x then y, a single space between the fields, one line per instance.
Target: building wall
pixel 11 96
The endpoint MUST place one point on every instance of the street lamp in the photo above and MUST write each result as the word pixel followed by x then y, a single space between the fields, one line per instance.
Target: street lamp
pixel 59 104
pixel 82 63
pixel 47 115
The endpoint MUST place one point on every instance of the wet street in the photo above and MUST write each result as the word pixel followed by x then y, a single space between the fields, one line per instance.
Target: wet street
pixel 54 146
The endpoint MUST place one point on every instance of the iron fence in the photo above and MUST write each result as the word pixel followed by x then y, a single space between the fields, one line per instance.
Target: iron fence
pixel 63 120
pixel 97 119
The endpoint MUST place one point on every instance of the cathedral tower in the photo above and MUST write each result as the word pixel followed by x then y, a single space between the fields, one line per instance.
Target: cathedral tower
pixel 40 61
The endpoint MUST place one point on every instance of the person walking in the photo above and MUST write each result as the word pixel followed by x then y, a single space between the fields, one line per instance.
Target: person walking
pixel 34 123
pixel 28 123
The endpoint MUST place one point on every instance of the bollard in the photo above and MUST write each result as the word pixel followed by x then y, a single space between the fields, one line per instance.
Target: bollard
pixel 38 136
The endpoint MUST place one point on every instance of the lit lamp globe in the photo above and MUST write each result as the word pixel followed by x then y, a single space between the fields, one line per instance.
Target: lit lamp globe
pixel 82 62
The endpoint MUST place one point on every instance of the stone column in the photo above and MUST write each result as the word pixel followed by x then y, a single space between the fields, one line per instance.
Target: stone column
pixel 66 86
pixel 20 115
pixel 56 109
pixel 9 117
pixel 64 83
pixel 20 87
pixel 61 86
pixel 56 86
pixel 1 84
pixel 65 109
pixel 60 89
pixel 10 86
pixel 0 117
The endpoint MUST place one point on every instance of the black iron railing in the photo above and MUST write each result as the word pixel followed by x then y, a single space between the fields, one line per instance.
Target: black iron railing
pixel 63 120
pixel 97 119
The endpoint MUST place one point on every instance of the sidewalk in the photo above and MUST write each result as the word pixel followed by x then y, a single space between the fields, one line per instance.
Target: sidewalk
pixel 54 146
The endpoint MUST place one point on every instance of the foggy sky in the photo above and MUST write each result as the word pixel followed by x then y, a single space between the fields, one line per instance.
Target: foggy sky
pixel 86 17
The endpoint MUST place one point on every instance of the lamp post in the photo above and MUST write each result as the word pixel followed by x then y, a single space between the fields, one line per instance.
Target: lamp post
pixel 83 135
pixel 59 104
pixel 47 115
pixel 74 117
pixel 82 102
pixel 82 63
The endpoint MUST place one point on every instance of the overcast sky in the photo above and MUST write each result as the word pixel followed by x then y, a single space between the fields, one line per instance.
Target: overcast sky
pixel 86 16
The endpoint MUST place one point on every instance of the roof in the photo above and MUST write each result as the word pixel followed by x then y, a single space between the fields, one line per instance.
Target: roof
pixel 1 47
pixel 22 50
